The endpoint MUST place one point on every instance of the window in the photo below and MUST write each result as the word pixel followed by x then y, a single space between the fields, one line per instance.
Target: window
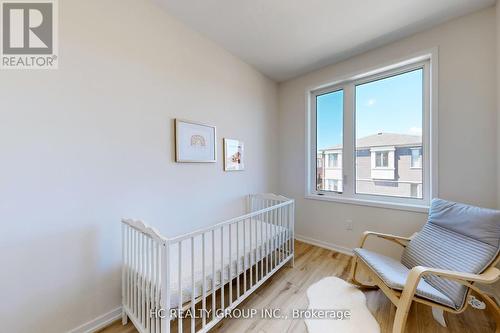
pixel 416 158
pixel 382 159
pixel 372 133
pixel 333 160
pixel 329 115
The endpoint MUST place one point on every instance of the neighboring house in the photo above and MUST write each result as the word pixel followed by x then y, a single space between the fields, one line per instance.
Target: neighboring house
pixel 386 164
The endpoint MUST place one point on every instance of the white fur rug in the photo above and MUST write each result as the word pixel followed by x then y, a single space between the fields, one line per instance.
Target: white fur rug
pixel 332 293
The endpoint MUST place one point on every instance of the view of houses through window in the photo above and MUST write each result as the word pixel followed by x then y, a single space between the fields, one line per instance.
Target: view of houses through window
pixel 388 137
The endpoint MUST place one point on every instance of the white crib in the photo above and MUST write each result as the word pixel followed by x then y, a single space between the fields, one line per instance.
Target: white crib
pixel 203 274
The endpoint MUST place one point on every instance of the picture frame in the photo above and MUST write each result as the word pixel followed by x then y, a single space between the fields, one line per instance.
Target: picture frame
pixel 195 142
pixel 234 155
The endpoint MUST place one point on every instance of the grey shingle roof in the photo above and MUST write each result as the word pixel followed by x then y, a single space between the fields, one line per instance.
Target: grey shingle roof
pixel 385 139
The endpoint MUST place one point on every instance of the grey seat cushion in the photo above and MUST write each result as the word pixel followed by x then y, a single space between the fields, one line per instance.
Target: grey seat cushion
pixel 457 237
pixel 394 275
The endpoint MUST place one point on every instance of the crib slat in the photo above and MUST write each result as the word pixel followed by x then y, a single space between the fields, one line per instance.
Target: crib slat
pixel 179 320
pixel 204 284
pixel 288 224
pixel 230 265
pixel 238 259
pixel 124 261
pixel 138 289
pixel 271 239
pixel 277 236
pixel 213 274
pixel 244 256
pixel 222 267
pixel 138 271
pixel 132 270
pixel 250 262
pixel 139 274
pixel 286 230
pixel 290 227
pixel 143 280
pixel 262 246
pixel 136 256
pixel 293 227
pixel 192 286
pixel 275 243
pixel 152 289
pixel 148 283
pixel 280 235
pixel 269 216
pixel 165 297
pixel 256 262
pixel 158 284
pixel 283 233
pixel 129 255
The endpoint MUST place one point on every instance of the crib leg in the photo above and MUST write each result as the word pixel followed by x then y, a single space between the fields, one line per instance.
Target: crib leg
pixel 124 318
pixel 291 262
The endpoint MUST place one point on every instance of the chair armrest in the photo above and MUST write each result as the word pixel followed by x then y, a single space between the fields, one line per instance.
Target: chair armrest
pixel 490 275
pixel 396 239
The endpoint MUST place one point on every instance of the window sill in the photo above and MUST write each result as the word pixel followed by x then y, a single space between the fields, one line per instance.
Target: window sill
pixel 371 203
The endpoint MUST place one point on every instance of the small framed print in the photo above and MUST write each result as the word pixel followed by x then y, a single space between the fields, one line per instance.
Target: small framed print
pixel 195 142
pixel 234 155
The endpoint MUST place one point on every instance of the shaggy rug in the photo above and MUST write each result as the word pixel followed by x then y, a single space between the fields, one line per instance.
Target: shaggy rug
pixel 337 306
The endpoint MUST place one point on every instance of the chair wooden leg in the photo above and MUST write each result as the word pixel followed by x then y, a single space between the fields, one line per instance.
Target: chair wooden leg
pixel 352 277
pixel 492 305
pixel 352 274
pixel 401 317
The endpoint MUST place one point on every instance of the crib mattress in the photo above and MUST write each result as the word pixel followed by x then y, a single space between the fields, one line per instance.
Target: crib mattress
pixel 245 252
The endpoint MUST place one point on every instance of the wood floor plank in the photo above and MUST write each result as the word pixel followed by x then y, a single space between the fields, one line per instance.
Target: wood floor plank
pixel 287 290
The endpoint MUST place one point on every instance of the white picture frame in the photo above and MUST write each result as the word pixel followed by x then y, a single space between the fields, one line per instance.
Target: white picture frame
pixel 234 155
pixel 195 142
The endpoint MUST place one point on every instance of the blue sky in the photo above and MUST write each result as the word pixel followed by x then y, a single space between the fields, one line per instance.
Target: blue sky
pixel 391 105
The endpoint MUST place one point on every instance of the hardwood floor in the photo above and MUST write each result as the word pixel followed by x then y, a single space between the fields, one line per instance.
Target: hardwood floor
pixel 287 290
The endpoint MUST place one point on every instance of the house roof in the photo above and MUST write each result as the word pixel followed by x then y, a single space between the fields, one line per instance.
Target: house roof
pixel 383 140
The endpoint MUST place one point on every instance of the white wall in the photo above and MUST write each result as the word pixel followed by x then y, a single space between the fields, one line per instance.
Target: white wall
pixel 91 142
pixel 467 125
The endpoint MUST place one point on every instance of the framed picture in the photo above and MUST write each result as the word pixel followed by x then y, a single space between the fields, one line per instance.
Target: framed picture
pixel 234 155
pixel 195 142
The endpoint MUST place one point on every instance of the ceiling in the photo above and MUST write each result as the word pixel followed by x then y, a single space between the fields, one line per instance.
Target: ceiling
pixel 286 38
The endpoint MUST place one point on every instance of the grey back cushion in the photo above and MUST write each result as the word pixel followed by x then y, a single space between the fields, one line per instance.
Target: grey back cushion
pixel 456 237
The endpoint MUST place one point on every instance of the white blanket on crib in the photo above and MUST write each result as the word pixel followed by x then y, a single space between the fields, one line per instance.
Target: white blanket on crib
pixel 247 243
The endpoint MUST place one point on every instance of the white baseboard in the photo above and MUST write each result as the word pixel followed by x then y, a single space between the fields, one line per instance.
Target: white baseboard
pixel 99 322
pixel 325 245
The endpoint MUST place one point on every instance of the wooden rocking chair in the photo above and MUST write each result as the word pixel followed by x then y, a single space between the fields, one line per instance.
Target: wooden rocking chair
pixel 457 248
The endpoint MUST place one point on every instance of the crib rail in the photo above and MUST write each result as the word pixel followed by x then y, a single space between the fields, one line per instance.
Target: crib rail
pixel 186 283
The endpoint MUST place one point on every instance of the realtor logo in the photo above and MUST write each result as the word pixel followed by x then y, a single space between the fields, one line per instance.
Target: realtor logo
pixel 29 34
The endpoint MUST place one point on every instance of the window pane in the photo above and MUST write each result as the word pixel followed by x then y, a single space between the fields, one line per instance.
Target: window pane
pixel 389 116
pixel 416 158
pixel 329 122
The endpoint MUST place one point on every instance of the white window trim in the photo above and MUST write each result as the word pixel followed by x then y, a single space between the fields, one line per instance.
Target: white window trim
pixel 429 136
